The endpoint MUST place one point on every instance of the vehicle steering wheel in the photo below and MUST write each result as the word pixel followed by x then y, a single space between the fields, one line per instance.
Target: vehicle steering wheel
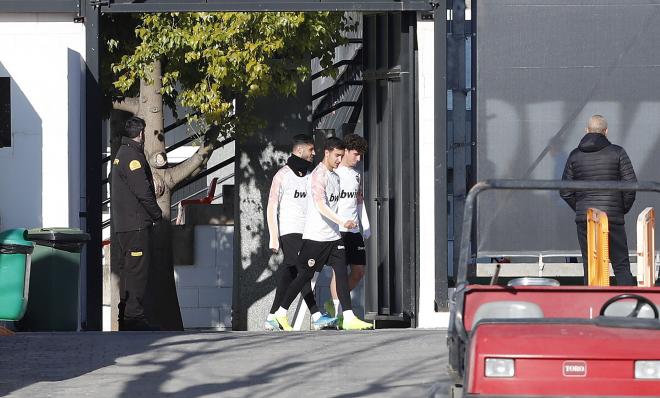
pixel 640 302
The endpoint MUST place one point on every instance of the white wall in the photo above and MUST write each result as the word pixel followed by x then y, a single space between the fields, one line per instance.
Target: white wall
pixel 428 318
pixel 40 174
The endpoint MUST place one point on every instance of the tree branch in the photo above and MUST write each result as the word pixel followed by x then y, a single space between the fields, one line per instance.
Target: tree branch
pixel 196 163
pixel 184 169
pixel 131 105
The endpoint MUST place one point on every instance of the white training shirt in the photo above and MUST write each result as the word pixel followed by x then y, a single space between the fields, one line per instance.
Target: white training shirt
pixel 323 184
pixel 289 191
pixel 350 196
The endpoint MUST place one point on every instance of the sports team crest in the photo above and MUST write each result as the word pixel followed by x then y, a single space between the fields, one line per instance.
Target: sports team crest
pixel 311 262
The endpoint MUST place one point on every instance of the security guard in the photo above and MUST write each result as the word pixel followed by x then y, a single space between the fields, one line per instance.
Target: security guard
pixel 134 211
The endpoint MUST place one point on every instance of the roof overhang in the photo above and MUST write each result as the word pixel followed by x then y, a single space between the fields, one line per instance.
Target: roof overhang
pixel 41 6
pixel 129 6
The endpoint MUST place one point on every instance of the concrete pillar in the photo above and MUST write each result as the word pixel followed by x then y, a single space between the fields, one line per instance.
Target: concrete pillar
pixel 258 157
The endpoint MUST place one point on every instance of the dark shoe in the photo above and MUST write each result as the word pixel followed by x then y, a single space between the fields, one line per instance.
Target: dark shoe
pixel 137 324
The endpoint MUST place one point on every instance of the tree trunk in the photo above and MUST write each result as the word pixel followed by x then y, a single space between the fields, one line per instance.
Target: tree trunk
pixel 162 303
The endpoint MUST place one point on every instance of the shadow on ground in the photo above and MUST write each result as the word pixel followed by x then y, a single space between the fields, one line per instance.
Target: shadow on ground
pixel 190 365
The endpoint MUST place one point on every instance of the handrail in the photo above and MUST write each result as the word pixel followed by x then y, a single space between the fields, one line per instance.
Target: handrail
pixel 218 196
pixel 206 172
pixel 220 181
pixel 335 107
pixel 192 138
pixel 331 98
pixel 106 223
pixel 335 87
pixel 337 65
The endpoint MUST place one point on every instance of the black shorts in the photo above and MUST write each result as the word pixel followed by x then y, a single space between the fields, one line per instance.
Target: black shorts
pixel 315 254
pixel 291 244
pixel 355 253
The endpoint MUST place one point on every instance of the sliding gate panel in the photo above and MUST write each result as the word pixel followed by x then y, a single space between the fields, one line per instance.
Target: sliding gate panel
pixel 389 109
pixel 543 68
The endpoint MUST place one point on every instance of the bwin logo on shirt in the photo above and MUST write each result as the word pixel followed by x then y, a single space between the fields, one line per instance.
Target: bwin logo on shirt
pixel 333 197
pixel 297 194
pixel 349 195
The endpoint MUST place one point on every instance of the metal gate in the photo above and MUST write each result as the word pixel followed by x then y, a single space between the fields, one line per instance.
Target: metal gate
pixel 389 119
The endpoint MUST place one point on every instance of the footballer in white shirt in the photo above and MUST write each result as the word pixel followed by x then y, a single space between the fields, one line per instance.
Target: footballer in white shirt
pixel 322 243
pixel 286 212
pixel 351 207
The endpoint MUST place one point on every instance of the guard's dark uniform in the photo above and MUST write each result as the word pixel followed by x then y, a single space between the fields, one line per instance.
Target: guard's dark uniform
pixel 134 210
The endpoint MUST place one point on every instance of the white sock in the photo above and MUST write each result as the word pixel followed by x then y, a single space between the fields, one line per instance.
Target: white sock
pixel 280 312
pixel 270 317
pixel 316 316
pixel 348 315
pixel 337 305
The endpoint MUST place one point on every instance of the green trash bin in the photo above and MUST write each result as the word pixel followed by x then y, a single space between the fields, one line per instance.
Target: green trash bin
pixel 15 256
pixel 53 299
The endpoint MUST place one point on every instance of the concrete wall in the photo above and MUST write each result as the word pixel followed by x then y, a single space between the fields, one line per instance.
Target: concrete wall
pixel 205 287
pixel 258 159
pixel 428 318
pixel 40 183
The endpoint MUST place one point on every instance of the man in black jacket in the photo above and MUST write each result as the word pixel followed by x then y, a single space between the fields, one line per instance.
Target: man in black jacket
pixel 597 159
pixel 134 211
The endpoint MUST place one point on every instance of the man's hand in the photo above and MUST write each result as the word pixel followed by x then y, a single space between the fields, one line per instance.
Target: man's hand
pixel 274 245
pixel 350 224
pixel 366 233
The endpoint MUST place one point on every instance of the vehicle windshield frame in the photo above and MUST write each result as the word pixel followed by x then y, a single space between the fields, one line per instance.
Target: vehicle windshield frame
pixel 465 258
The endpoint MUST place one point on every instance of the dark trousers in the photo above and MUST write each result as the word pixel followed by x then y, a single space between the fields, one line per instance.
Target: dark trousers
pixel 313 255
pixel 291 245
pixel 618 253
pixel 134 260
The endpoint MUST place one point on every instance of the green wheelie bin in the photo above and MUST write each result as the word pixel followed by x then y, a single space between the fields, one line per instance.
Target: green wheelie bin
pixel 15 257
pixel 54 278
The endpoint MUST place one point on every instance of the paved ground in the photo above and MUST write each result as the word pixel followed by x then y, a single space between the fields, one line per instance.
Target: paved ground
pixel 384 363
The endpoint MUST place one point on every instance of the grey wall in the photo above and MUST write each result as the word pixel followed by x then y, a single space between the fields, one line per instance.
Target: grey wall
pixel 544 67
pixel 258 158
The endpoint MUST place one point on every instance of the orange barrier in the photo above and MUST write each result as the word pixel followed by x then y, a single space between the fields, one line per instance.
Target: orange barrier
pixel 646 247
pixel 598 248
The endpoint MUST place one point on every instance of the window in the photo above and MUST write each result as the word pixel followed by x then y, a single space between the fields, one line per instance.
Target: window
pixel 5 113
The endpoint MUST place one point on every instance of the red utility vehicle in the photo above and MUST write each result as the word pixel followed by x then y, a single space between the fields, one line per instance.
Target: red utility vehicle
pixel 535 338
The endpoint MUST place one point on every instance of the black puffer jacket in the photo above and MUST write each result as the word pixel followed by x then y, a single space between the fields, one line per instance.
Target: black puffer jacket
pixel 597 159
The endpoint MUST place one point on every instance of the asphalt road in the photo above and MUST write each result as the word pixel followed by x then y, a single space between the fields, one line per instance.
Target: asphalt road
pixel 384 363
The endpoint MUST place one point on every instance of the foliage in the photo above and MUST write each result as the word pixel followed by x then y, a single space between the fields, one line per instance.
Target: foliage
pixel 212 61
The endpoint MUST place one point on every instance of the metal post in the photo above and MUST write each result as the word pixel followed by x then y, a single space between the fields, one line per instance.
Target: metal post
pixel 384 127
pixel 461 134
pixel 371 133
pixel 408 189
pixel 440 166
pixel 92 212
